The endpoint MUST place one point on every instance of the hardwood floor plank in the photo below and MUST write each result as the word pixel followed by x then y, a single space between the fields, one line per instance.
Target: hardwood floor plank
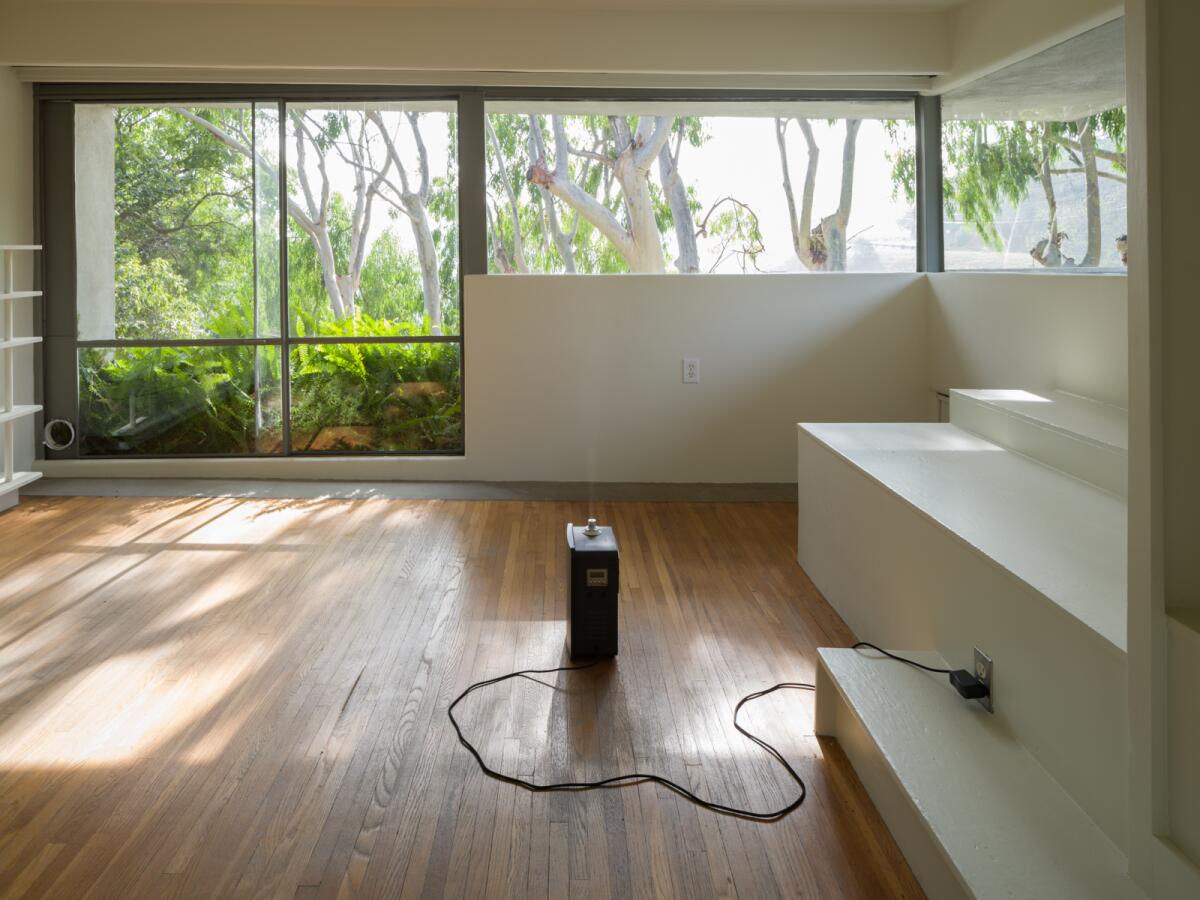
pixel 239 697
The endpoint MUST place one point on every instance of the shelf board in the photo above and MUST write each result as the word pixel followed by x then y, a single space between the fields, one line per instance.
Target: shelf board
pixel 14 247
pixel 21 295
pixel 19 342
pixel 19 480
pixel 19 411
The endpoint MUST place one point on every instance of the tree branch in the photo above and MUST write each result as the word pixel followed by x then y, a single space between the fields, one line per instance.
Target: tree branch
pixel 650 142
pixel 514 207
pixel 258 159
pixel 584 203
pixel 422 155
pixel 591 154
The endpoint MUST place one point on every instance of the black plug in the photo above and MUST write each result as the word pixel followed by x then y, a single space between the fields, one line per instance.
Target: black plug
pixel 968 686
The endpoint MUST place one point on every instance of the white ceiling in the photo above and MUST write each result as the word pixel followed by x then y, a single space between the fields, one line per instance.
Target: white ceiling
pixel 727 5
pixel 1079 77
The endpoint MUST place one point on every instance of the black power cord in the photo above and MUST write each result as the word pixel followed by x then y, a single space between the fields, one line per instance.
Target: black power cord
pixel 905 660
pixel 640 777
pixel 643 778
pixel 968 686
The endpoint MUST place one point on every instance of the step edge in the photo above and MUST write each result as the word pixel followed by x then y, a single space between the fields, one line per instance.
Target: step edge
pixel 1098 443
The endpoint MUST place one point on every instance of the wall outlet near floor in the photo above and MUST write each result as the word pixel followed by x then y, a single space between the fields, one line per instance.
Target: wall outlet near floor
pixel 691 370
pixel 983 671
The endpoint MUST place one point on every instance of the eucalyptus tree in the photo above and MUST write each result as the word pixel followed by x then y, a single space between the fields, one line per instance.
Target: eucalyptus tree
pixel 603 193
pixel 366 145
pixel 409 194
pixel 989 164
pixel 626 152
pixel 820 247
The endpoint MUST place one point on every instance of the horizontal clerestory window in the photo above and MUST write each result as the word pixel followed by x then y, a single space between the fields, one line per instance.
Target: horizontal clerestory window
pixel 700 187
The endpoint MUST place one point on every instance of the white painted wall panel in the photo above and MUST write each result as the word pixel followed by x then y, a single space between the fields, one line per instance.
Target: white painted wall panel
pixel 1034 331
pixel 574 378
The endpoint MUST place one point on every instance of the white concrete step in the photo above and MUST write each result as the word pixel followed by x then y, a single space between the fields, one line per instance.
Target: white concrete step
pixel 925 535
pixel 1063 538
pixel 973 812
pixel 1076 435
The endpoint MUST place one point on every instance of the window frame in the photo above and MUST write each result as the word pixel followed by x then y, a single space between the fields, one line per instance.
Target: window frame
pixel 55 155
pixel 921 103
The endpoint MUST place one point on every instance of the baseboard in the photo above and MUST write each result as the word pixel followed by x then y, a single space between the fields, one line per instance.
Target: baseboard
pixel 413 490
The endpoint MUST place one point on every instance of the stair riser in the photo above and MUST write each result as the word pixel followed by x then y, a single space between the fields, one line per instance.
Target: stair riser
pixel 1105 466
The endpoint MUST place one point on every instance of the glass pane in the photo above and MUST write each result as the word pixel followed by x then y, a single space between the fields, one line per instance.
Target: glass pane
pixel 165 209
pixel 1034 161
pixel 372 219
pixel 781 186
pixel 383 397
pixel 266 218
pixel 179 400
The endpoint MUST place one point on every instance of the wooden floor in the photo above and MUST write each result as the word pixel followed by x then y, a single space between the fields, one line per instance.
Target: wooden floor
pixel 220 697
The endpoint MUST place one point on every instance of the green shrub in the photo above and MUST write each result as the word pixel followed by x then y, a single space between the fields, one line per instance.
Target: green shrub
pixel 227 400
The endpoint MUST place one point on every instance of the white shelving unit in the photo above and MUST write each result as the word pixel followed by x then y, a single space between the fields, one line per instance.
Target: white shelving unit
pixel 10 411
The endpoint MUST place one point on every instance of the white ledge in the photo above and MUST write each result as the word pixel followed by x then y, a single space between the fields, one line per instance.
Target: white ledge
pixel 19 342
pixel 18 412
pixel 18 481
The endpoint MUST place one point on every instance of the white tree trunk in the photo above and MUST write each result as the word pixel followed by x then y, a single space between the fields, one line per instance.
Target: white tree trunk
pixel 431 283
pixel 640 244
pixel 808 243
pixel 645 246
pixel 681 213
pixel 329 277
pixel 513 207
pixel 537 150
pixel 1091 175
pixel 836 226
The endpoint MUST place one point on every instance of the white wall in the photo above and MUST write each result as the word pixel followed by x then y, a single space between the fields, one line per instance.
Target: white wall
pixel 16 227
pixel 574 378
pixel 1000 330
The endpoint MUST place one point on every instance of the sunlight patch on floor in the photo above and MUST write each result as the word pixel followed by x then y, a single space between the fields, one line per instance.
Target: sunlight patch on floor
pixel 133 705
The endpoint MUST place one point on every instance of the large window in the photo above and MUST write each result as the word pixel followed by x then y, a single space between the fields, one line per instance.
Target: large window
pixel 1034 161
pixel 190 342
pixel 697 187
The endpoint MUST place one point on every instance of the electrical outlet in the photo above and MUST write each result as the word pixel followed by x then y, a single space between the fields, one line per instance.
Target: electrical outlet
pixel 983 671
pixel 691 370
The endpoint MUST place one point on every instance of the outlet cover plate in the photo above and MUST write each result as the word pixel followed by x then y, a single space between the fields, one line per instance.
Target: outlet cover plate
pixel 691 370
pixel 983 671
